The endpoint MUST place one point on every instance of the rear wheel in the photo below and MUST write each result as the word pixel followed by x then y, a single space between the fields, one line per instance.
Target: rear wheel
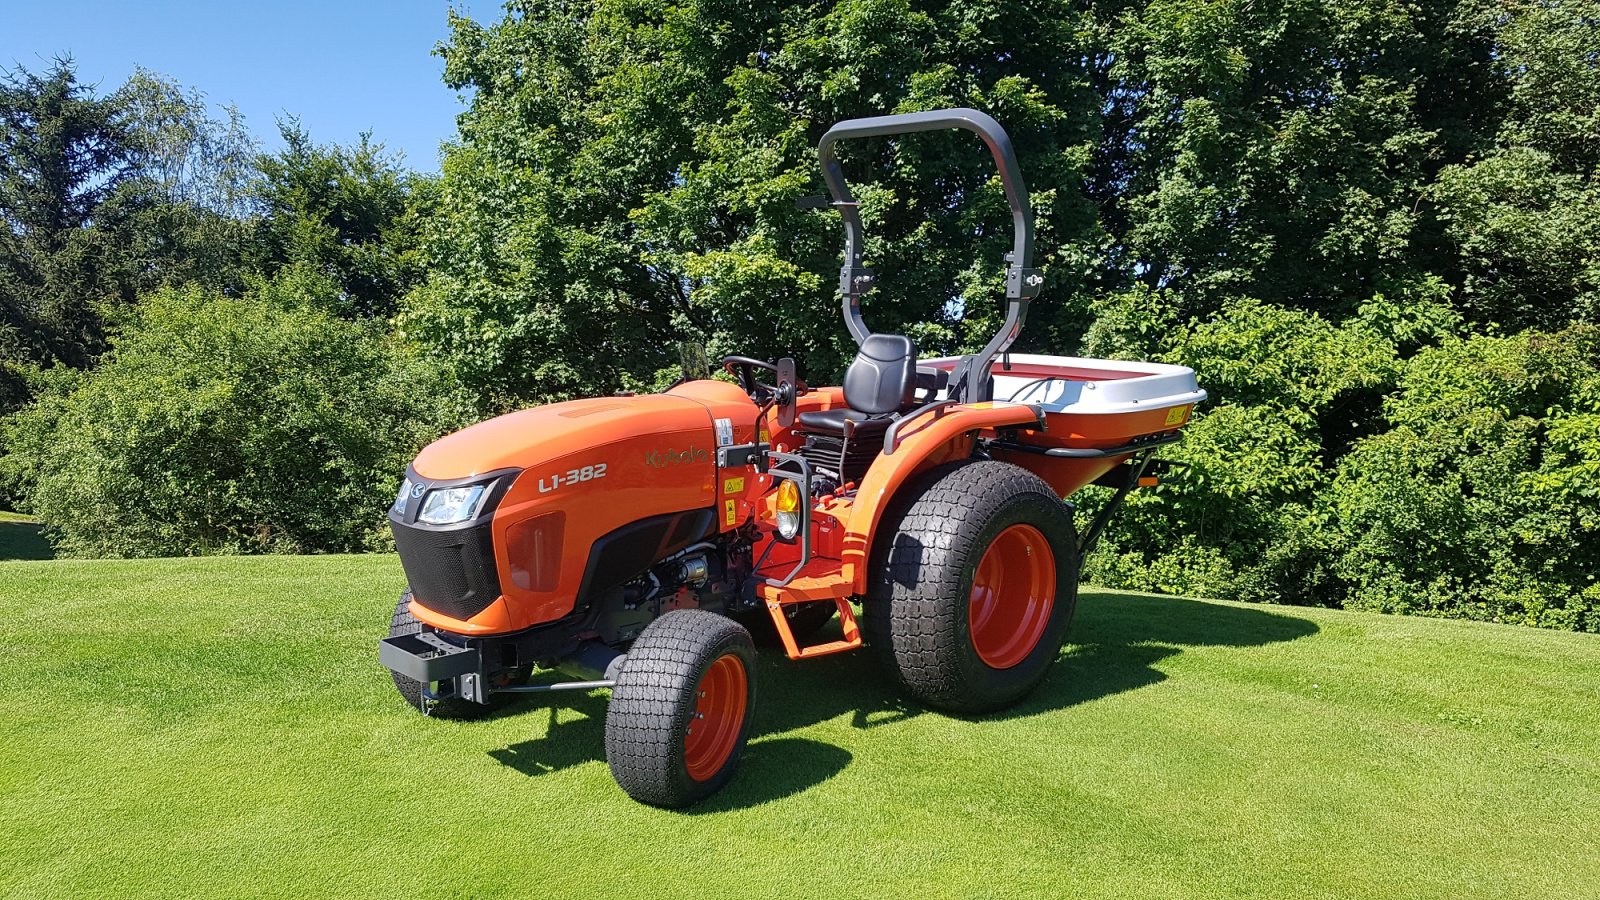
pixel 973 588
pixel 680 710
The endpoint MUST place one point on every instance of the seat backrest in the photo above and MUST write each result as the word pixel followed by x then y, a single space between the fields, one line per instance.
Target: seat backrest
pixel 883 375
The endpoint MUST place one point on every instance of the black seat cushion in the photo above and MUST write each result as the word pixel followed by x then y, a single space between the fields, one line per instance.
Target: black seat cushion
pixel 883 376
pixel 831 421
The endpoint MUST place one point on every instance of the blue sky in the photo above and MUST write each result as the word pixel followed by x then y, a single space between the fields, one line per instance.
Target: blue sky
pixel 342 67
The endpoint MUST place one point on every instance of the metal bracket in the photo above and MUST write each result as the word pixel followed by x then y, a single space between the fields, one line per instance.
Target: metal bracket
pixel 740 455
pixel 426 657
pixel 1149 443
pixel 856 280
pixel 1023 283
pixel 803 479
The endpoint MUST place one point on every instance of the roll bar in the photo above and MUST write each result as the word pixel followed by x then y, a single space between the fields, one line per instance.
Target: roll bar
pixel 969 382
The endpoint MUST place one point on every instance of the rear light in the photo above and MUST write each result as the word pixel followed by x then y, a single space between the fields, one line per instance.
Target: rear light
pixel 533 547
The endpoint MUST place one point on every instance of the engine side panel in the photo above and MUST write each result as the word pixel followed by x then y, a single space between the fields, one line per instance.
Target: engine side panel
pixel 557 510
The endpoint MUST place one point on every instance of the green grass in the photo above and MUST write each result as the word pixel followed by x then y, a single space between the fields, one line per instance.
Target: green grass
pixel 221 727
pixel 22 538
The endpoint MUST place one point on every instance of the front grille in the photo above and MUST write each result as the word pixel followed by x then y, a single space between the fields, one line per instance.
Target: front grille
pixel 450 571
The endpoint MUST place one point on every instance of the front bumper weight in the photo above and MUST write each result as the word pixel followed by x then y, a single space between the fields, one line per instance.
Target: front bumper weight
pixel 426 657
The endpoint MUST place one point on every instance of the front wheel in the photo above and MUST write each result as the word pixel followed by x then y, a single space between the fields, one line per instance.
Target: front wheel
pixel 973 586
pixel 680 709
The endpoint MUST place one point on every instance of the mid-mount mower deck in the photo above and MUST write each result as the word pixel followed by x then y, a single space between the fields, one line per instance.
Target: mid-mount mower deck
pixel 643 543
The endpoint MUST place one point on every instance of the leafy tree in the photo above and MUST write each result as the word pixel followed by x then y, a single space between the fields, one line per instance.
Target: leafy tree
pixel 65 152
pixel 626 175
pixel 1529 239
pixel 105 198
pixel 352 213
pixel 1281 150
pixel 217 424
pixel 1288 390
pixel 1482 500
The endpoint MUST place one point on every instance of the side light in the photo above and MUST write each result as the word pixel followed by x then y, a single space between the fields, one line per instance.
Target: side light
pixel 788 509
pixel 401 498
pixel 534 548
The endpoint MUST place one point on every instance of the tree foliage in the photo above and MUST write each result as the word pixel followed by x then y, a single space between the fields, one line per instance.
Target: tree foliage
pixel 627 172
pixel 228 424
pixel 1372 228
pixel 66 152
pixel 141 192
pixel 352 213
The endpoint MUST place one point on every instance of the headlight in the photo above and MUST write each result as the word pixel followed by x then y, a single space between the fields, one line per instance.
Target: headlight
pixel 450 505
pixel 788 510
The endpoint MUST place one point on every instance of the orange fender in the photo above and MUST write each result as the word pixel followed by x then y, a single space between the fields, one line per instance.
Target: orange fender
pixel 929 440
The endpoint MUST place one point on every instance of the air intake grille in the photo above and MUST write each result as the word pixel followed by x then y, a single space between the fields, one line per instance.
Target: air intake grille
pixel 450 572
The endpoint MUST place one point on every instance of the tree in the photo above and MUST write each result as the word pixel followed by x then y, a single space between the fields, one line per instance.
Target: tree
pixel 105 198
pixel 1282 150
pixel 1482 500
pixel 351 213
pixel 626 175
pixel 65 152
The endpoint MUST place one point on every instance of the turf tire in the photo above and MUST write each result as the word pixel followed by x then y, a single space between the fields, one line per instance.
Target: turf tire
pixel 654 701
pixel 916 613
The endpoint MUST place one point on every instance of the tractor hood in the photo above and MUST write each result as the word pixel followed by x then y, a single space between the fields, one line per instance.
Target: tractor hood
pixel 531 437
pixel 537 508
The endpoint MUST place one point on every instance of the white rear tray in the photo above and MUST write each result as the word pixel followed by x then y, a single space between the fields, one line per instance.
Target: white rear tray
pixel 1070 384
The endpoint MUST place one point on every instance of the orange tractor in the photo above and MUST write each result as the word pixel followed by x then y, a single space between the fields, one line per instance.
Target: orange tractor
pixel 643 543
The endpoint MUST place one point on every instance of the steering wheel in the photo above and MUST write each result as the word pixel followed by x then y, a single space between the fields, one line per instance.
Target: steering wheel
pixel 784 394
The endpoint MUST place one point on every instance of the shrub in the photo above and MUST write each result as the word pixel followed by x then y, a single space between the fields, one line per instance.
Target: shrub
pixel 1284 385
pixel 1483 501
pixel 227 425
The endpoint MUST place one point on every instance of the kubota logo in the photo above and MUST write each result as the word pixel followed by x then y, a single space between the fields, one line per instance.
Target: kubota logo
pixel 660 459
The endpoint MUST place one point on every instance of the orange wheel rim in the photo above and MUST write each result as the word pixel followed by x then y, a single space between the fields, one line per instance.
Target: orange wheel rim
pixel 1012 595
pixel 720 700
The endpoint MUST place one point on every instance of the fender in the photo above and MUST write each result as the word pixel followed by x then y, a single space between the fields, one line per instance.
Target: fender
pixel 931 440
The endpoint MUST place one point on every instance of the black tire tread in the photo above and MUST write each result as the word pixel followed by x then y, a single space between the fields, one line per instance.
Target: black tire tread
pixel 654 697
pixel 915 614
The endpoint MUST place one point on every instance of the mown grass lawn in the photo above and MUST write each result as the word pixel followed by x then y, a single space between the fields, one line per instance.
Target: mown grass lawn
pixel 221 727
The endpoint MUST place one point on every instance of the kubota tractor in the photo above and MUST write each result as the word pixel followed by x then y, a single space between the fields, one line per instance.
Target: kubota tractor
pixel 637 543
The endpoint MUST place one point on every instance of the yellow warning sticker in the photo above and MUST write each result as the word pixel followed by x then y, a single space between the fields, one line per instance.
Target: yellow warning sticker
pixel 766 436
pixel 733 486
pixel 730 513
pixel 1178 415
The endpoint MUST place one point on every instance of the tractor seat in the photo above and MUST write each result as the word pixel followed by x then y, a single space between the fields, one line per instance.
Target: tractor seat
pixel 831 421
pixel 879 384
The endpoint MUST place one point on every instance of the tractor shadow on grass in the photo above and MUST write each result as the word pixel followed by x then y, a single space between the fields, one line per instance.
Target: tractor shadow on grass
pixel 1118 639
pixel 1115 644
